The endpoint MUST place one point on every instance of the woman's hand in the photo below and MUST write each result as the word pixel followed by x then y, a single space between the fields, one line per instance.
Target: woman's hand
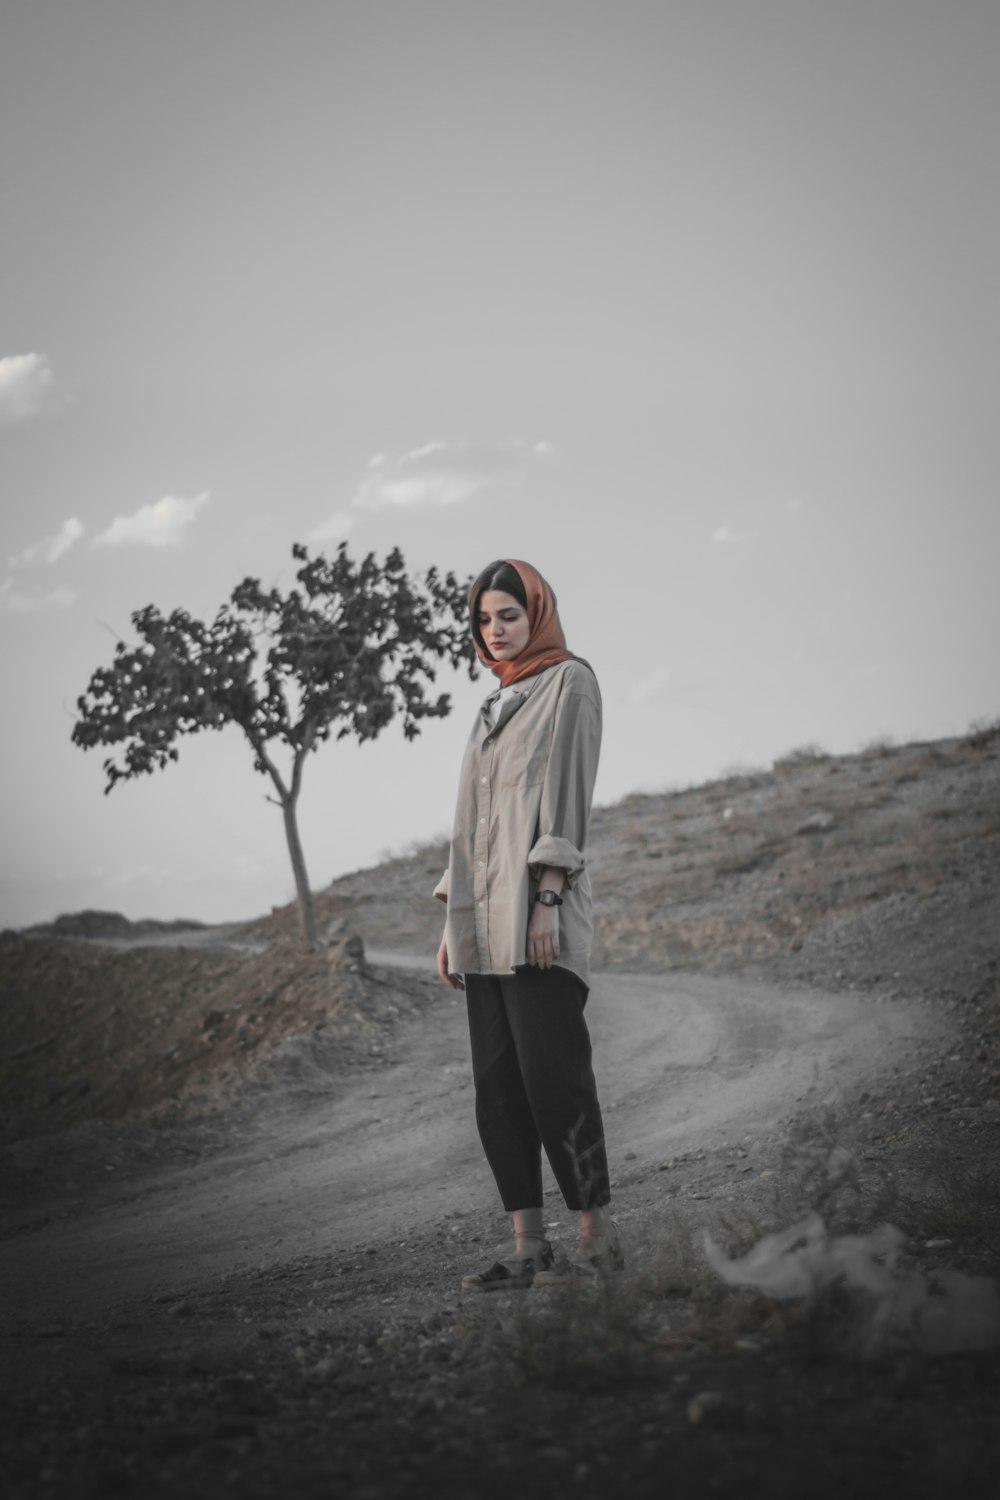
pixel 543 935
pixel 455 980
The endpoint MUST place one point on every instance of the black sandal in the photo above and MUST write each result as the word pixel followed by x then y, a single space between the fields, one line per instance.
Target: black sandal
pixel 600 1260
pixel 515 1274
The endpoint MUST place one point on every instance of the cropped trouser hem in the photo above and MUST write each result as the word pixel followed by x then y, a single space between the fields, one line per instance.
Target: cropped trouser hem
pixel 535 1088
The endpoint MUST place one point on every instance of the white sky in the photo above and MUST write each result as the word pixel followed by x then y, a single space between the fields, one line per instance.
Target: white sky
pixel 693 304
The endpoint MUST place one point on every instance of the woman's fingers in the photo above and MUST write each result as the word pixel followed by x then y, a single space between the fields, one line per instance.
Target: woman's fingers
pixel 543 938
pixel 455 981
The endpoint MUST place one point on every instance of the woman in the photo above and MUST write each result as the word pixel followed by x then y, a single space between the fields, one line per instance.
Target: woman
pixel 519 927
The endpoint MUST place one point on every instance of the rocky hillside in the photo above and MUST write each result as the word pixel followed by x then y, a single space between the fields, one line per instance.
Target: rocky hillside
pixel 878 871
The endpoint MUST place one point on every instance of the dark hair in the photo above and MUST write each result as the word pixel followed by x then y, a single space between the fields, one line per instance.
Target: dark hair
pixel 501 576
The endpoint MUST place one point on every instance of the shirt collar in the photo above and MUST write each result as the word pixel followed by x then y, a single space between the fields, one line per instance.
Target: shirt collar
pixel 514 697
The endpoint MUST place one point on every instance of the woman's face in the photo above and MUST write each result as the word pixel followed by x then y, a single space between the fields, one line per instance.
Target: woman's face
pixel 503 624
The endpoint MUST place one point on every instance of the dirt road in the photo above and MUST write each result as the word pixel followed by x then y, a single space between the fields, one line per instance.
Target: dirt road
pixel 684 1064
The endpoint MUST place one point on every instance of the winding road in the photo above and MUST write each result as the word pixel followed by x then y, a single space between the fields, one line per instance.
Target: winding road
pixel 684 1062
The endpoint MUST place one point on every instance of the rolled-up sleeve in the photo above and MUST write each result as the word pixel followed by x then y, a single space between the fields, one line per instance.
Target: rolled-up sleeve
pixel 441 889
pixel 568 787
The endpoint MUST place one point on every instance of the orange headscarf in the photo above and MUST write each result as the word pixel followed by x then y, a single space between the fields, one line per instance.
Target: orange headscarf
pixel 546 644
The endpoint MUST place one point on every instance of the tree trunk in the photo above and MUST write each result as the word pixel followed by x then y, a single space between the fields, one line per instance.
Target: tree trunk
pixel 306 911
pixel 289 799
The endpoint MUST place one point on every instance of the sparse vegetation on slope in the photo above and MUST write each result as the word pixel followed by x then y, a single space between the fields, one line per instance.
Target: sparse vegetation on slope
pixel 879 871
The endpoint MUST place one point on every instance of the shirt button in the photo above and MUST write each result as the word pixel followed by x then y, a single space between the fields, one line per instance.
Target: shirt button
pixel 482 820
pixel 483 780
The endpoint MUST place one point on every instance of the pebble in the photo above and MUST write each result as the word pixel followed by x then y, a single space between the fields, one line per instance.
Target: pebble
pixel 708 1406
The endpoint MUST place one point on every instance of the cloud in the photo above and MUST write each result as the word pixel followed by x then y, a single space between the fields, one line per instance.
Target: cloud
pixel 50 548
pixel 333 529
pixel 440 474
pixel 25 382
pixel 649 686
pixel 725 536
pixel 159 525
pixel 435 475
pixel 12 602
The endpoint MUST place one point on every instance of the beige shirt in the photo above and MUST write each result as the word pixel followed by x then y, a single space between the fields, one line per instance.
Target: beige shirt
pixel 524 799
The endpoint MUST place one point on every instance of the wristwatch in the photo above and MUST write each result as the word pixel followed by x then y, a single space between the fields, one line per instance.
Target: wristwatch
pixel 548 898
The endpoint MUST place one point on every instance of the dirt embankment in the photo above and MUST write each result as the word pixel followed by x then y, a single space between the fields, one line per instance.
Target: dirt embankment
pixel 94 1031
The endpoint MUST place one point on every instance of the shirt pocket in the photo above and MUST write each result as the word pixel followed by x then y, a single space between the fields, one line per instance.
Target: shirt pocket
pixel 522 761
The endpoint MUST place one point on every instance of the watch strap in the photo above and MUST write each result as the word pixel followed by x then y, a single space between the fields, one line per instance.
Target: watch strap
pixel 548 898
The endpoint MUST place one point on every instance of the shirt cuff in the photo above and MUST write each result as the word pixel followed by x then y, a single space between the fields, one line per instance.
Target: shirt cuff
pixel 559 853
pixel 441 889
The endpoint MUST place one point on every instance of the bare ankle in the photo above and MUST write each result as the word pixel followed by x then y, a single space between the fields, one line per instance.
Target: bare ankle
pixel 529 1229
pixel 595 1224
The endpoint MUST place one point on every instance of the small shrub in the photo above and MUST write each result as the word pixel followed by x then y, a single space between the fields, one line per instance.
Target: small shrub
pixel 629 1328
pixel 676 1268
pixel 804 755
pixel 581 1336
pixel 819 1167
pixel 744 774
pixel 981 733
pixel 881 745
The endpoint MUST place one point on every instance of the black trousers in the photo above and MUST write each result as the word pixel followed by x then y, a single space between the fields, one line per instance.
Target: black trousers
pixel 531 1062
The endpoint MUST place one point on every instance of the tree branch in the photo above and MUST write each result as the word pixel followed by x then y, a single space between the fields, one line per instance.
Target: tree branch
pixel 260 750
pixel 299 760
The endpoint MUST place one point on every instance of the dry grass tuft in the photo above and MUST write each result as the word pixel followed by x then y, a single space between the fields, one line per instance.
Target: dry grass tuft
pixel 633 1328
pixel 982 733
pixel 803 755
